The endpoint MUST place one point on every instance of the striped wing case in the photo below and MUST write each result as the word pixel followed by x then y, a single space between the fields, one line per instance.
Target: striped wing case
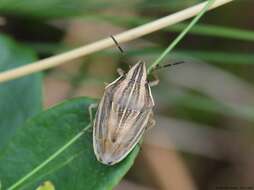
pixel 125 111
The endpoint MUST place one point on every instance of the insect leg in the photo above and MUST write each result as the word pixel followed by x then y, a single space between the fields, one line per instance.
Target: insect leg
pixel 151 122
pixel 120 71
pixel 155 82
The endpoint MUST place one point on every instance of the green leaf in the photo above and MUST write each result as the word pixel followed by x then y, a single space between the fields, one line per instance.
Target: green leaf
pixel 50 8
pixel 21 98
pixel 75 168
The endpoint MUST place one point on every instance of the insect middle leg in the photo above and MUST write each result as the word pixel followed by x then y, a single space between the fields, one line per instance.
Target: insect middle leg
pixel 151 122
pixel 90 110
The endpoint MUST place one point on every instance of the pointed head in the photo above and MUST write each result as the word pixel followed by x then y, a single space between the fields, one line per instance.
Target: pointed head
pixel 137 73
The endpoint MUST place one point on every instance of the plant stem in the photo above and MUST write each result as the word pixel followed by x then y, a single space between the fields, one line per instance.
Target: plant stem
pixel 180 36
pixel 49 159
pixel 209 30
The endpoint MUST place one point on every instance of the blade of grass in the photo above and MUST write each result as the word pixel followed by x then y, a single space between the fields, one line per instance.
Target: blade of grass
pixel 49 159
pixel 180 36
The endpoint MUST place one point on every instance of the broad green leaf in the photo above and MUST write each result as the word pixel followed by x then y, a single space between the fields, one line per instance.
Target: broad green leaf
pixel 21 98
pixel 75 168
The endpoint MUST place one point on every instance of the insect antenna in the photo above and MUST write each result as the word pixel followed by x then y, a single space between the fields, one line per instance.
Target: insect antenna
pixel 121 50
pixel 168 65
pixel 117 44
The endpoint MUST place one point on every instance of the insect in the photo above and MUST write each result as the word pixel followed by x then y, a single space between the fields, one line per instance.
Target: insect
pixel 124 113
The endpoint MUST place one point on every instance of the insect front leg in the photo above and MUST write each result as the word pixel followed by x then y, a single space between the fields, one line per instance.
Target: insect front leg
pixel 155 82
pixel 120 71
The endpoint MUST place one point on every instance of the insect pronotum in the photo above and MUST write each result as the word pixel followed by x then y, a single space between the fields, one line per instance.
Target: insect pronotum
pixel 124 113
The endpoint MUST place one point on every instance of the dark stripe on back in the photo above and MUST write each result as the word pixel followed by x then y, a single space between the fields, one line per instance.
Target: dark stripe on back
pixel 140 73
pixel 135 73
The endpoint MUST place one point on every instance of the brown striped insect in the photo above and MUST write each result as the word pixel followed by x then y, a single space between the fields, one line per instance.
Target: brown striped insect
pixel 124 113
